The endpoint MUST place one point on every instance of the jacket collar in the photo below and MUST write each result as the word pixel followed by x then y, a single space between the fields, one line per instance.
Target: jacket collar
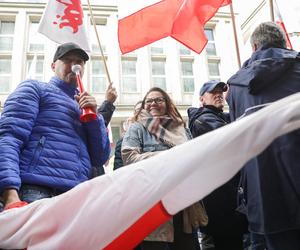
pixel 65 87
pixel 265 67
pixel 213 108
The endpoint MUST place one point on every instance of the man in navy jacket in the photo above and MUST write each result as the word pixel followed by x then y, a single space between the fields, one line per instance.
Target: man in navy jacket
pixel 270 183
pixel 44 148
pixel 225 225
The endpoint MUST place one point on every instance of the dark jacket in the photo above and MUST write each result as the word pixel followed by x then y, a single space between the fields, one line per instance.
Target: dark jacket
pixel 221 203
pixel 118 162
pixel 205 119
pixel 42 140
pixel 106 110
pixel 270 182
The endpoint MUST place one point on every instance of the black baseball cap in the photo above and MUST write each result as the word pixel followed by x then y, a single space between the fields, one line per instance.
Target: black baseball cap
pixel 65 48
pixel 211 85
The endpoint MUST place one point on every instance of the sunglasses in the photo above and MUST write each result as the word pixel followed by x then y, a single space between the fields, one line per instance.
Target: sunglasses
pixel 157 100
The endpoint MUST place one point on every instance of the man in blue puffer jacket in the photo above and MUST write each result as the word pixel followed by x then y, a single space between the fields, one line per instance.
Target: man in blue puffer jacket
pixel 44 148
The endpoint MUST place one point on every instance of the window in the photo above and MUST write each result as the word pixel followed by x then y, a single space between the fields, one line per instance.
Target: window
pixel 35 68
pixel 35 40
pixel 184 50
pixel 5 75
pixel 35 52
pixel 159 74
pixel 129 75
pixel 157 48
pixel 210 47
pixel 103 36
pixel 213 69
pixel 6 35
pixel 187 76
pixel 6 46
pixel 98 77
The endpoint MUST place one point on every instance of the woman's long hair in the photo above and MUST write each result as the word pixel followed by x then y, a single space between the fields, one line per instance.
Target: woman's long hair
pixel 171 109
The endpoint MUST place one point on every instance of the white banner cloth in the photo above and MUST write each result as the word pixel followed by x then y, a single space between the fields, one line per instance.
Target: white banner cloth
pixel 93 214
pixel 62 22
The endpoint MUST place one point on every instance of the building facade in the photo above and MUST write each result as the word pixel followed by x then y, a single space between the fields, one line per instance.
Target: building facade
pixel 24 53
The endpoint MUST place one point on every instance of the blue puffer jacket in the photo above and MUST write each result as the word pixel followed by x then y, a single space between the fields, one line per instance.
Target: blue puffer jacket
pixel 42 140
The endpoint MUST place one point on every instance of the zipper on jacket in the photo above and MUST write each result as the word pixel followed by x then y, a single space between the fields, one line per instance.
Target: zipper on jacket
pixel 37 153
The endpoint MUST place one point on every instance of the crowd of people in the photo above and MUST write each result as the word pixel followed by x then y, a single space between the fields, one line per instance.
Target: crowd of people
pixel 46 150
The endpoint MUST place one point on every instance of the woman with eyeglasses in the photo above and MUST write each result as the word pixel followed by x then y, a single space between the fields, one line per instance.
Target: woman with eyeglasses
pixel 158 126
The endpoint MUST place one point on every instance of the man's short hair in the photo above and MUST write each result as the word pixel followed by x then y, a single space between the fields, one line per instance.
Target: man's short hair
pixel 268 33
pixel 66 48
pixel 211 85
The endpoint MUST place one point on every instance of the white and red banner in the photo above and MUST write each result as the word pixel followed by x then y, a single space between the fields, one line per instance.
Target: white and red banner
pixel 144 22
pixel 99 213
pixel 62 22
pixel 279 21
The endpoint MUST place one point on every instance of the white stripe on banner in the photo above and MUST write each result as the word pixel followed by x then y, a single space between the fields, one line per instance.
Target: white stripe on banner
pixel 94 213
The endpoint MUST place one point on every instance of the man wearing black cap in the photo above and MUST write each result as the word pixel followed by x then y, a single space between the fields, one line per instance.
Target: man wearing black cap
pixel 44 148
pixel 71 52
pixel 225 225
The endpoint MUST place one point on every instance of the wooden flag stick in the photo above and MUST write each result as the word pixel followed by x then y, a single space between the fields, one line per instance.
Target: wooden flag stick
pixel 99 43
pixel 235 36
pixel 271 10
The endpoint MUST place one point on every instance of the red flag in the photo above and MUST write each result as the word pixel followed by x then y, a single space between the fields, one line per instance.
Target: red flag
pixel 62 22
pixel 280 22
pixel 152 20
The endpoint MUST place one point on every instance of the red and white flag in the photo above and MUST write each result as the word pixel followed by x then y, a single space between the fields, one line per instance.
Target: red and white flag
pixel 117 210
pixel 62 22
pixel 279 21
pixel 143 22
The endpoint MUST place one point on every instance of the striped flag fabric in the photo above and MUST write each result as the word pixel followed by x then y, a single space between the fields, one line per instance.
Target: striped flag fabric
pixel 144 22
pixel 116 210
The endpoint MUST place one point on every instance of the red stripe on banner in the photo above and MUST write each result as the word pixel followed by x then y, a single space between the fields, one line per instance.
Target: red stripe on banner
pixel 130 238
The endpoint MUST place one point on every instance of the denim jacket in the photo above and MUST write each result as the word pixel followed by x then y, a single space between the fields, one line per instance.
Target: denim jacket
pixel 139 144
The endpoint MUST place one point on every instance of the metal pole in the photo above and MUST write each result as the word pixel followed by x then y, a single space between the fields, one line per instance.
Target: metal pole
pixel 235 36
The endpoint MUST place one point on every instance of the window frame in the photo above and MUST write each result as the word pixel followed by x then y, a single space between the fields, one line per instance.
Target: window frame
pixel 100 75
pixel 153 76
pixel 133 59
pixel 184 76
pixel 9 75
pixel 99 21
pixel 8 19
pixel 211 42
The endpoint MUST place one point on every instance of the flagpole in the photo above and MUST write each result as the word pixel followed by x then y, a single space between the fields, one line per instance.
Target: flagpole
pixel 99 43
pixel 271 10
pixel 235 36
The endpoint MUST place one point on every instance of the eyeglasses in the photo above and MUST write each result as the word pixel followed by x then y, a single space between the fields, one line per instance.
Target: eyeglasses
pixel 157 100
